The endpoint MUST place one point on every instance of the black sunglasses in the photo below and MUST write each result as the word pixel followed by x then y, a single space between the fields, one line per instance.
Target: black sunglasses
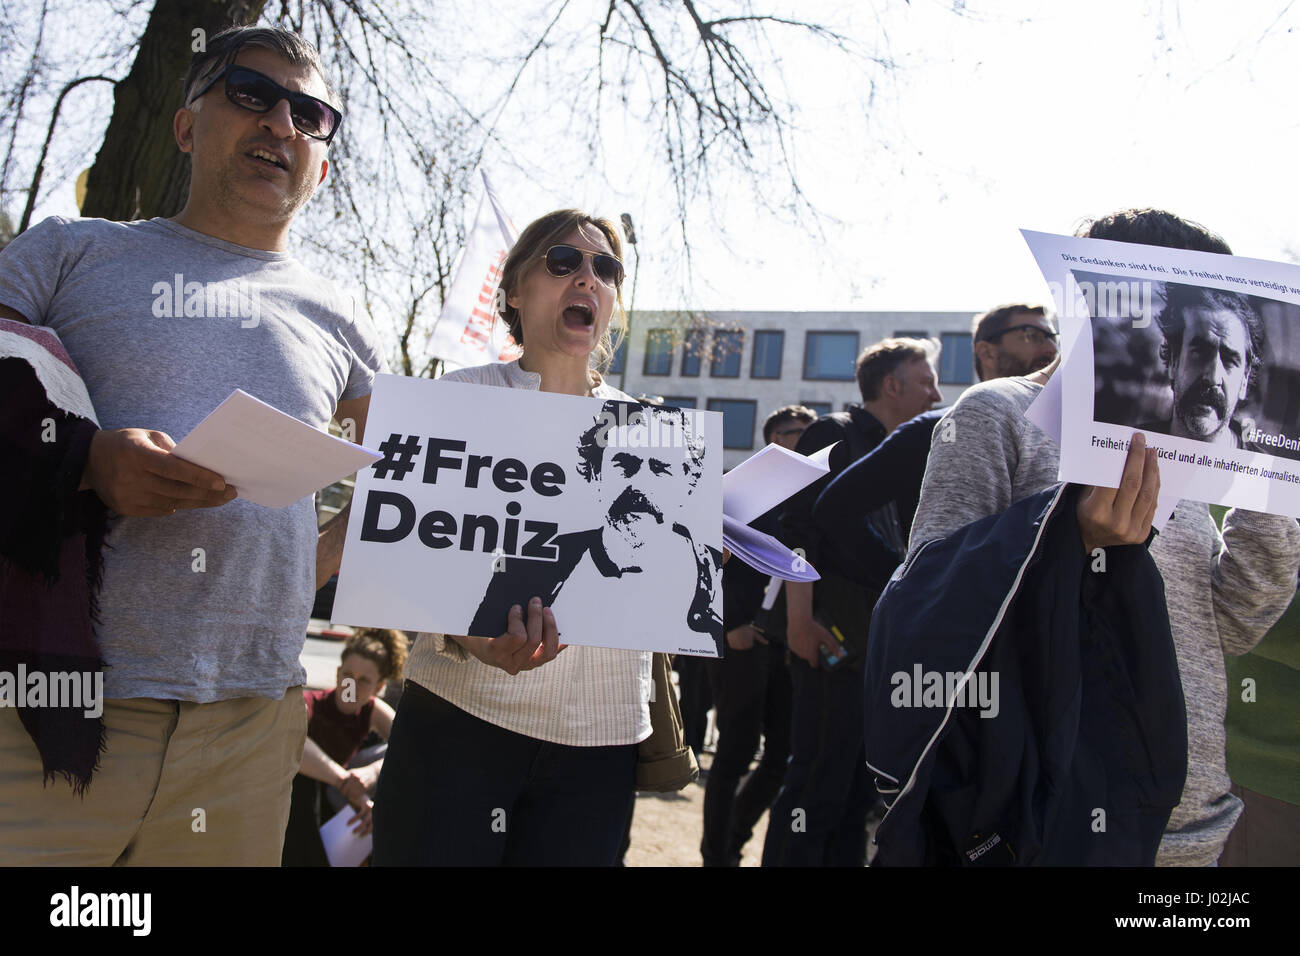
pixel 250 90
pixel 565 260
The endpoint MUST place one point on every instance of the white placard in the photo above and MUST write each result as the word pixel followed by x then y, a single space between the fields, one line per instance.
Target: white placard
pixel 1200 352
pixel 610 512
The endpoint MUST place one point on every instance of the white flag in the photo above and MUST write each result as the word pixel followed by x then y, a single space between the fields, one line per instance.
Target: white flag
pixel 468 330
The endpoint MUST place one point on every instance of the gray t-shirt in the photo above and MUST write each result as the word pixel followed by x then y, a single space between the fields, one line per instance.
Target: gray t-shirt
pixel 1223 592
pixel 163 323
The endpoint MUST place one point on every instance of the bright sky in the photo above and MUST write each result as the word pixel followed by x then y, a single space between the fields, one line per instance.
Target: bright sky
pixel 997 117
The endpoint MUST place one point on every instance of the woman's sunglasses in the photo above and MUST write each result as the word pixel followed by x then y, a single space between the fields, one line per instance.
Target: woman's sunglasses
pixel 250 90
pixel 565 260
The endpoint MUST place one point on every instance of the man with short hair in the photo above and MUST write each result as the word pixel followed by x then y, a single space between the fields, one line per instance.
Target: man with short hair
pixel 826 779
pixel 1213 349
pixel 205 596
pixel 1011 340
pixel 786 425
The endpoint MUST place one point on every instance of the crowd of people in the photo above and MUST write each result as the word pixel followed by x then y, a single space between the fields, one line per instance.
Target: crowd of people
pixel 943 540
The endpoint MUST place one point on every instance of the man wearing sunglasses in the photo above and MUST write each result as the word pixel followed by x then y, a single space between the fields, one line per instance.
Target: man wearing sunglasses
pixel 1012 340
pixel 205 597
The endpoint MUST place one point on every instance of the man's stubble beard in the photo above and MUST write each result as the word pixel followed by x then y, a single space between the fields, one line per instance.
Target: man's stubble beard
pixel 232 198
pixel 1010 366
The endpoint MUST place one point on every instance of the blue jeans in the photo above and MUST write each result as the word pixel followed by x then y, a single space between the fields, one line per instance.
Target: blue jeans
pixel 820 816
pixel 459 791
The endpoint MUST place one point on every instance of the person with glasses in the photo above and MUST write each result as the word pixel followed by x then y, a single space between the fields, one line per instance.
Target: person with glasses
pixel 506 751
pixel 1012 340
pixel 205 597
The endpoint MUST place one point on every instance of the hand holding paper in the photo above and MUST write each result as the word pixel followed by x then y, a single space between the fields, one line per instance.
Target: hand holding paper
pixel 135 472
pixel 272 458
pixel 343 847
pixel 1116 516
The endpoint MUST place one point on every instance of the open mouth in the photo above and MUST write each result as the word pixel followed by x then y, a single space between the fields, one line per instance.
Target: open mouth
pixel 579 316
pixel 267 158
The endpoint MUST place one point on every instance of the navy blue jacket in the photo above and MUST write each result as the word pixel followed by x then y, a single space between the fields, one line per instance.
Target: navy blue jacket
pixel 1087 754
pixel 891 472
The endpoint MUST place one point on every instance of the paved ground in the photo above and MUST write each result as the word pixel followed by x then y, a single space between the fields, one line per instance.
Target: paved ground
pixel 666 829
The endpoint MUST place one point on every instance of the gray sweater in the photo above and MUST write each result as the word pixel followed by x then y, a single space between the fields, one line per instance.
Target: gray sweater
pixel 1223 592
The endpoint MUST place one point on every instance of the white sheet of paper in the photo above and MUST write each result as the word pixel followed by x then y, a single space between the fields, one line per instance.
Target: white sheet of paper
pixel 768 477
pixel 342 846
pixel 270 457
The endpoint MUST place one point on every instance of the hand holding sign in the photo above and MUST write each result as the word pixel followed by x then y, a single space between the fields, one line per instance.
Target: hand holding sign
pixel 1122 515
pixel 520 648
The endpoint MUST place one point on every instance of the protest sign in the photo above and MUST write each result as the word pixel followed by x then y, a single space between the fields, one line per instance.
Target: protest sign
pixel 610 512
pixel 1200 352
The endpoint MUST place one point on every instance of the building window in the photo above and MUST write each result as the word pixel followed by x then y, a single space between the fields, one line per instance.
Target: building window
pixel 725 362
pixel 767 355
pixel 821 408
pixel 619 360
pixel 681 401
pixel 910 335
pixel 658 352
pixel 738 416
pixel 955 360
pixel 830 355
pixel 692 349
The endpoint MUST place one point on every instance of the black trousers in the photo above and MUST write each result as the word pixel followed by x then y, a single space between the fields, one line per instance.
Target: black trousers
pixel 459 791
pixel 307 813
pixel 820 816
pixel 751 691
pixel 696 698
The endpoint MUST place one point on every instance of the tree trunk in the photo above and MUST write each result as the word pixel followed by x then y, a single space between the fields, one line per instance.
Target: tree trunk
pixel 139 173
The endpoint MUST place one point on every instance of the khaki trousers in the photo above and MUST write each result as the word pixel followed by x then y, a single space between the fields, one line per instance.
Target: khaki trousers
pixel 181 784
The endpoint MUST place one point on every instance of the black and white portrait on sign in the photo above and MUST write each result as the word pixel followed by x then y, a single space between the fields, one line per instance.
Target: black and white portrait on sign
pixel 1205 364
pixel 610 512
pixel 1200 351
pixel 642 463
